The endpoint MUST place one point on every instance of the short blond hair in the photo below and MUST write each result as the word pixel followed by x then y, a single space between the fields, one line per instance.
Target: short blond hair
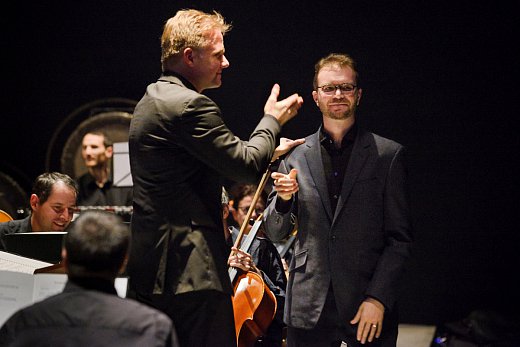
pixel 187 29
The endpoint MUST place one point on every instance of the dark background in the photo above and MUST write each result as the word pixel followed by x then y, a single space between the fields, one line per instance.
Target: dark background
pixel 437 76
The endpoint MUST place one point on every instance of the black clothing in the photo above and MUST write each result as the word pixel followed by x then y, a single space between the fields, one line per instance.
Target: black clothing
pixel 14 227
pixel 335 161
pixel 180 151
pixel 88 317
pixel 196 311
pixel 90 194
pixel 268 261
pixel 361 247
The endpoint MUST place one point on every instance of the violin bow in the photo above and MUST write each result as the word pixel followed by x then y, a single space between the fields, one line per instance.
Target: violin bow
pixel 233 271
pixel 261 186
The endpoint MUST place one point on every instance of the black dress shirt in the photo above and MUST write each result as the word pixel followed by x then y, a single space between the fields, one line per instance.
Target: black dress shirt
pixel 335 161
pixel 90 194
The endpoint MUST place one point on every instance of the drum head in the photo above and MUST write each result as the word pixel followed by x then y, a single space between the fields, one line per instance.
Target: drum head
pixel 111 116
pixel 114 124
pixel 13 198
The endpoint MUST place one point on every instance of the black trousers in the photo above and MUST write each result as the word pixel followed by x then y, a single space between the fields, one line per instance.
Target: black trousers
pixel 332 331
pixel 201 318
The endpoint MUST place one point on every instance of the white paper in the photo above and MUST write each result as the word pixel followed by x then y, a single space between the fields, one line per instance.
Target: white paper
pixel 13 262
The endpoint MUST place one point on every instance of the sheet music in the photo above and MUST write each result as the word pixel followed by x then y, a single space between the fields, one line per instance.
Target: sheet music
pixel 16 263
pixel 16 291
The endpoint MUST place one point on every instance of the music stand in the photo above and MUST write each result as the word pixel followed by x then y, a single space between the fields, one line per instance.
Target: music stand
pixel 44 246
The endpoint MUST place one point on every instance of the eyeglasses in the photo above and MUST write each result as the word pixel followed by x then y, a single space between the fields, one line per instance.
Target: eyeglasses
pixel 246 208
pixel 345 88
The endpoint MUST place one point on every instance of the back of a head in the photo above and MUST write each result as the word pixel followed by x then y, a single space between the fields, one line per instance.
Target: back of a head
pixel 96 245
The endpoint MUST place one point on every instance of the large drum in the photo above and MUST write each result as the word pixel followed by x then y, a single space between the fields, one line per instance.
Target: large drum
pixel 14 196
pixel 112 116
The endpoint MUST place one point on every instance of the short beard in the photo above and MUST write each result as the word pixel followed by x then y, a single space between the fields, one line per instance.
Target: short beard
pixel 338 115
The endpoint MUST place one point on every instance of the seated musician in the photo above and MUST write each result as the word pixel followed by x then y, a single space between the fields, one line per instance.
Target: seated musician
pixel 52 201
pixel 88 311
pixel 262 258
pixel 96 187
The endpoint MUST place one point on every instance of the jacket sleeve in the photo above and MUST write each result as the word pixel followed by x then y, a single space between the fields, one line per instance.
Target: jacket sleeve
pixel 279 216
pixel 204 134
pixel 398 234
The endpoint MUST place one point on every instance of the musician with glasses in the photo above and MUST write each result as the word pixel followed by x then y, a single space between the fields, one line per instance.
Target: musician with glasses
pixel 347 190
pixel 262 256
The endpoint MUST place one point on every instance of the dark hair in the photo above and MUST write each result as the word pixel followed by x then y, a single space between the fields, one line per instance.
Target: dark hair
pixel 241 190
pixel 45 182
pixel 107 141
pixel 97 244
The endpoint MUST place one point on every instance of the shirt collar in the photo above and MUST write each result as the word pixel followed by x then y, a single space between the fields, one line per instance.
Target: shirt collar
pixel 350 136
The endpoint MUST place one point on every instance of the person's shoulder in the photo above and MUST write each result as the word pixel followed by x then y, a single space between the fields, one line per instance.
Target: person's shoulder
pixel 141 313
pixel 37 314
pixel 185 101
pixel 380 141
pixel 15 226
pixel 84 180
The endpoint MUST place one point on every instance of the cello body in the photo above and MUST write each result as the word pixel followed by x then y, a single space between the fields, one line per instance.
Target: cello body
pixel 254 304
pixel 254 308
pixel 5 217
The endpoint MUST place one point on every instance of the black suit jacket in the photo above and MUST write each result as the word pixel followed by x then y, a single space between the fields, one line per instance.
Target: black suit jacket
pixel 362 247
pixel 13 227
pixel 179 150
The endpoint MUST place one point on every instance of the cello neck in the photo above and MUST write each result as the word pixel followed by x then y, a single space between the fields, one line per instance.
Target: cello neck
pixel 246 245
pixel 252 233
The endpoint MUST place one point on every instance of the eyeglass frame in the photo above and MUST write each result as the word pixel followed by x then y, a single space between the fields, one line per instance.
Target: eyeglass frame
pixel 338 86
pixel 245 209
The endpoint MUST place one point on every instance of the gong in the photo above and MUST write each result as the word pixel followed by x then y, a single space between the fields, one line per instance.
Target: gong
pixel 110 116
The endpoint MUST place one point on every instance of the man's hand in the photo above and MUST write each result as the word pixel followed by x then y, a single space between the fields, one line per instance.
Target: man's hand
pixel 285 109
pixel 285 185
pixel 285 146
pixel 370 318
pixel 242 260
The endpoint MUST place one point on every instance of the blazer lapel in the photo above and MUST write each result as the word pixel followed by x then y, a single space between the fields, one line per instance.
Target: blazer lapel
pixel 357 161
pixel 315 164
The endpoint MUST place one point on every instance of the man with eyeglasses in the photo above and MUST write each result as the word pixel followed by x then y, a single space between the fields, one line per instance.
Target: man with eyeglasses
pixel 347 188
pixel 261 257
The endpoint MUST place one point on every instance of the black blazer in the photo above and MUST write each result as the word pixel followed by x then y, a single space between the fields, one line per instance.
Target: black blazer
pixel 361 248
pixel 179 150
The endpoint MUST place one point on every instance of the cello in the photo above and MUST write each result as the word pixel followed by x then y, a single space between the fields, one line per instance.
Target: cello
pixel 254 304
pixel 5 217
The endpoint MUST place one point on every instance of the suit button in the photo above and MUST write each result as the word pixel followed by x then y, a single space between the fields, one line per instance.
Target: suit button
pixel 333 238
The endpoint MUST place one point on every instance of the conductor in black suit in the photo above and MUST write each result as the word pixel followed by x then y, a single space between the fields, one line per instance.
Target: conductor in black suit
pixel 180 149
pixel 347 189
